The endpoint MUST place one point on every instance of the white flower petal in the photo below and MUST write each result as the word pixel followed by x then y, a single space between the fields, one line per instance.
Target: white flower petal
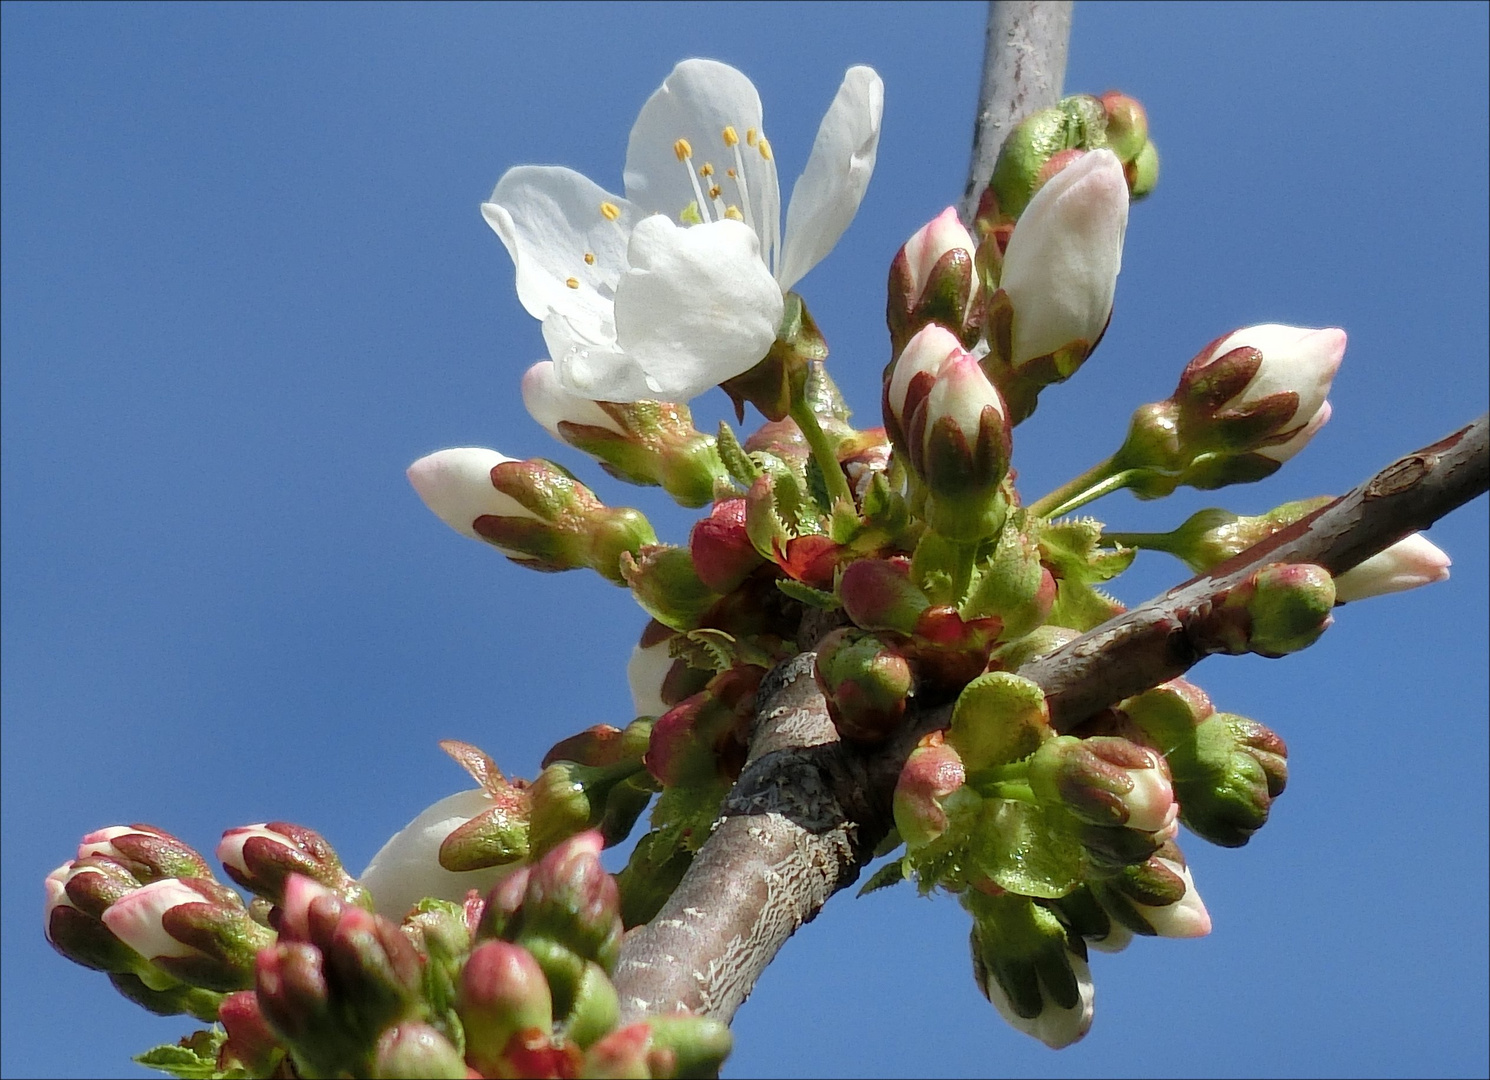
pixel 1055 1027
pixel 1294 359
pixel 407 868
pixel 135 918
pixel 1281 452
pixel 827 194
pixel 591 367
pixel 456 485
pixel 550 219
pixel 697 306
pixel 549 402
pixel 1061 267
pixel 1187 917
pixel 645 672
pixel 1412 561
pixel 696 102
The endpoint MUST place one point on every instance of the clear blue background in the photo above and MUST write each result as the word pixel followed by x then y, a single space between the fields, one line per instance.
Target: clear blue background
pixel 246 283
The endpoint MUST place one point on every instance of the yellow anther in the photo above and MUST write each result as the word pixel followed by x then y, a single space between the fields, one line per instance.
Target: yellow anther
pixel 589 258
pixel 731 137
pixel 730 173
pixel 764 147
pixel 610 211
pixel 750 136
pixel 733 213
pixel 707 169
pixel 684 149
pixel 573 282
pixel 715 191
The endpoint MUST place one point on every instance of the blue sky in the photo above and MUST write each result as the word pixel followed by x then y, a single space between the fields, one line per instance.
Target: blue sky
pixel 245 283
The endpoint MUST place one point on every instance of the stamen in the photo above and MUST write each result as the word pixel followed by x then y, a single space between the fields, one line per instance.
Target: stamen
pixel 750 136
pixel 706 169
pixel 715 191
pixel 731 137
pixel 730 172
pixel 589 258
pixel 573 283
pixel 683 149
pixel 733 213
pixel 765 148
pixel 610 211
pixel 737 174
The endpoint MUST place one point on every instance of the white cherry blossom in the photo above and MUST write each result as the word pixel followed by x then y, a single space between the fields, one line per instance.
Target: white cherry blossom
pixel 678 285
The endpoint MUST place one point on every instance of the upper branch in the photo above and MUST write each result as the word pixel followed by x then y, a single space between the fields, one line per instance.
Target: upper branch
pixel 808 811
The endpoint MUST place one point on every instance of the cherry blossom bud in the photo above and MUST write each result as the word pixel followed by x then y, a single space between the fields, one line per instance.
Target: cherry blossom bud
pixel 684 1045
pixel 643 442
pixel 1127 125
pixel 865 683
pixel 1058 279
pixel 1157 897
pixel 1282 608
pixel 77 895
pixel 1142 173
pixel 174 1000
pixel 1105 781
pixel 532 511
pixel 932 279
pixel 194 929
pixel 723 555
pixel 1209 537
pixel 251 1044
pixel 261 858
pixel 959 442
pixel 297 1000
pixel 502 993
pixel 931 773
pixel 146 852
pixel 911 376
pixel 1407 564
pixel 417 1051
pixel 1029 968
pixel 408 867
pixel 571 899
pixel 878 594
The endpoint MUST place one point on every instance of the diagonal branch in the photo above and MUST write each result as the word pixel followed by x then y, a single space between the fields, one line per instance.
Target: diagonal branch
pixel 808 811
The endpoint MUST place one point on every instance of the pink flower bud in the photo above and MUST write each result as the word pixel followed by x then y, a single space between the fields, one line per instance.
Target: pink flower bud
pixel 1187 917
pixel 1408 563
pixel 1060 270
pixel 878 594
pixel 1106 781
pixel 503 992
pixel 932 279
pixel 964 432
pixel 194 929
pixel 930 243
pixel 912 375
pixel 261 857
pixel 145 851
pixel 251 1043
pixel 138 917
pixel 931 773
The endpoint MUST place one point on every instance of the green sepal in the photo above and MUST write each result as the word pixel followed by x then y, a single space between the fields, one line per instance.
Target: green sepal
pixel 806 594
pixel 742 470
pixel 193 1058
pixel 892 873
pixel 1070 548
pixel 999 718
pixel 817 487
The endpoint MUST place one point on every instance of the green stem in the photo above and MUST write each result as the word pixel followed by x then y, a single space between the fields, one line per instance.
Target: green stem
pixel 1146 541
pixel 1101 479
pixel 823 452
pixel 1013 790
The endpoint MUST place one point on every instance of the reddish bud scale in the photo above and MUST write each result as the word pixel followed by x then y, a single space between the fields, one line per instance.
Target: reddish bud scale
pixel 251 1044
pixel 148 853
pixel 932 772
pixel 865 683
pixel 722 553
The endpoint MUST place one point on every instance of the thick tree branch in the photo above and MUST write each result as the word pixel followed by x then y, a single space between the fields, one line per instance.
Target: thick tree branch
pixel 808 811
pixel 1024 65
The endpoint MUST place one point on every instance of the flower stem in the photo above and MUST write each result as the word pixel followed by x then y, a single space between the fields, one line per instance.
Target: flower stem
pixel 1101 479
pixel 823 452
pixel 1145 541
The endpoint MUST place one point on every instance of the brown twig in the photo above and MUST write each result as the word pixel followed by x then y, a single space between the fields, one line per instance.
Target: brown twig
pixel 808 811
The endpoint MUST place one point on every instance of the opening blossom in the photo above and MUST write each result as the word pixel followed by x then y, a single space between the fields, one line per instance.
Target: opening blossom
pixel 679 285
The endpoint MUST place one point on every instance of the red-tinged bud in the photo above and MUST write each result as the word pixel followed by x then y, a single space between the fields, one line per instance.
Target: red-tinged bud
pixel 601 745
pixel 933 771
pixel 251 1044
pixel 643 442
pixel 502 992
pixel 866 685
pixel 932 279
pixel 909 378
pixel 416 1051
pixel 666 585
pixel 374 967
pixel 571 899
pixel 1227 772
pixel 684 1046
pixel 1282 608
pixel 194 929
pixel 878 594
pixel 702 737
pixel 1105 781
pixel 500 911
pixel 296 998
pixel 535 1054
pixel 959 444
pixel 1142 173
pixel 77 895
pixel 810 559
pixel 262 857
pixel 309 911
pixel 723 555
pixel 146 852
pixel 621 1055
pixel 533 511
pixel 1407 564
pixel 596 1009
pixel 1127 125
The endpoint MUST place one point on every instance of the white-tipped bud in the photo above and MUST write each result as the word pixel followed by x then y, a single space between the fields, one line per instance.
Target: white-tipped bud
pixel 457 485
pixel 550 403
pixel 1187 917
pixel 1295 360
pixel 1410 562
pixel 1056 1027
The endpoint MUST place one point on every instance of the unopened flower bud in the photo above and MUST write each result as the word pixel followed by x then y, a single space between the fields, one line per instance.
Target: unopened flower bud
pixel 295 998
pixel 194 929
pixel 1105 781
pixel 1058 279
pixel 533 511
pixel 878 594
pixel 865 683
pixel 1407 564
pixel 1209 537
pixel 723 555
pixel 1142 173
pixel 1157 897
pixel 1282 608
pixel 643 442
pixel 251 1044
pixel 909 379
pixel 1080 910
pixel 931 773
pixel 1032 971
pixel 621 1055
pixel 408 867
pixel 262 857
pixel 1127 125
pixel 77 895
pixel 417 1051
pixel 502 992
pixel 664 582
pixel 932 279
pixel 146 852
pixel 685 1045
pixel 174 1000
pixel 959 442
pixel 596 1008
pixel 571 899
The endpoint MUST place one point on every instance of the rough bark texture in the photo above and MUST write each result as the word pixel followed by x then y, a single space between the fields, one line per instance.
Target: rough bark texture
pixel 1024 65
pixel 808 810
